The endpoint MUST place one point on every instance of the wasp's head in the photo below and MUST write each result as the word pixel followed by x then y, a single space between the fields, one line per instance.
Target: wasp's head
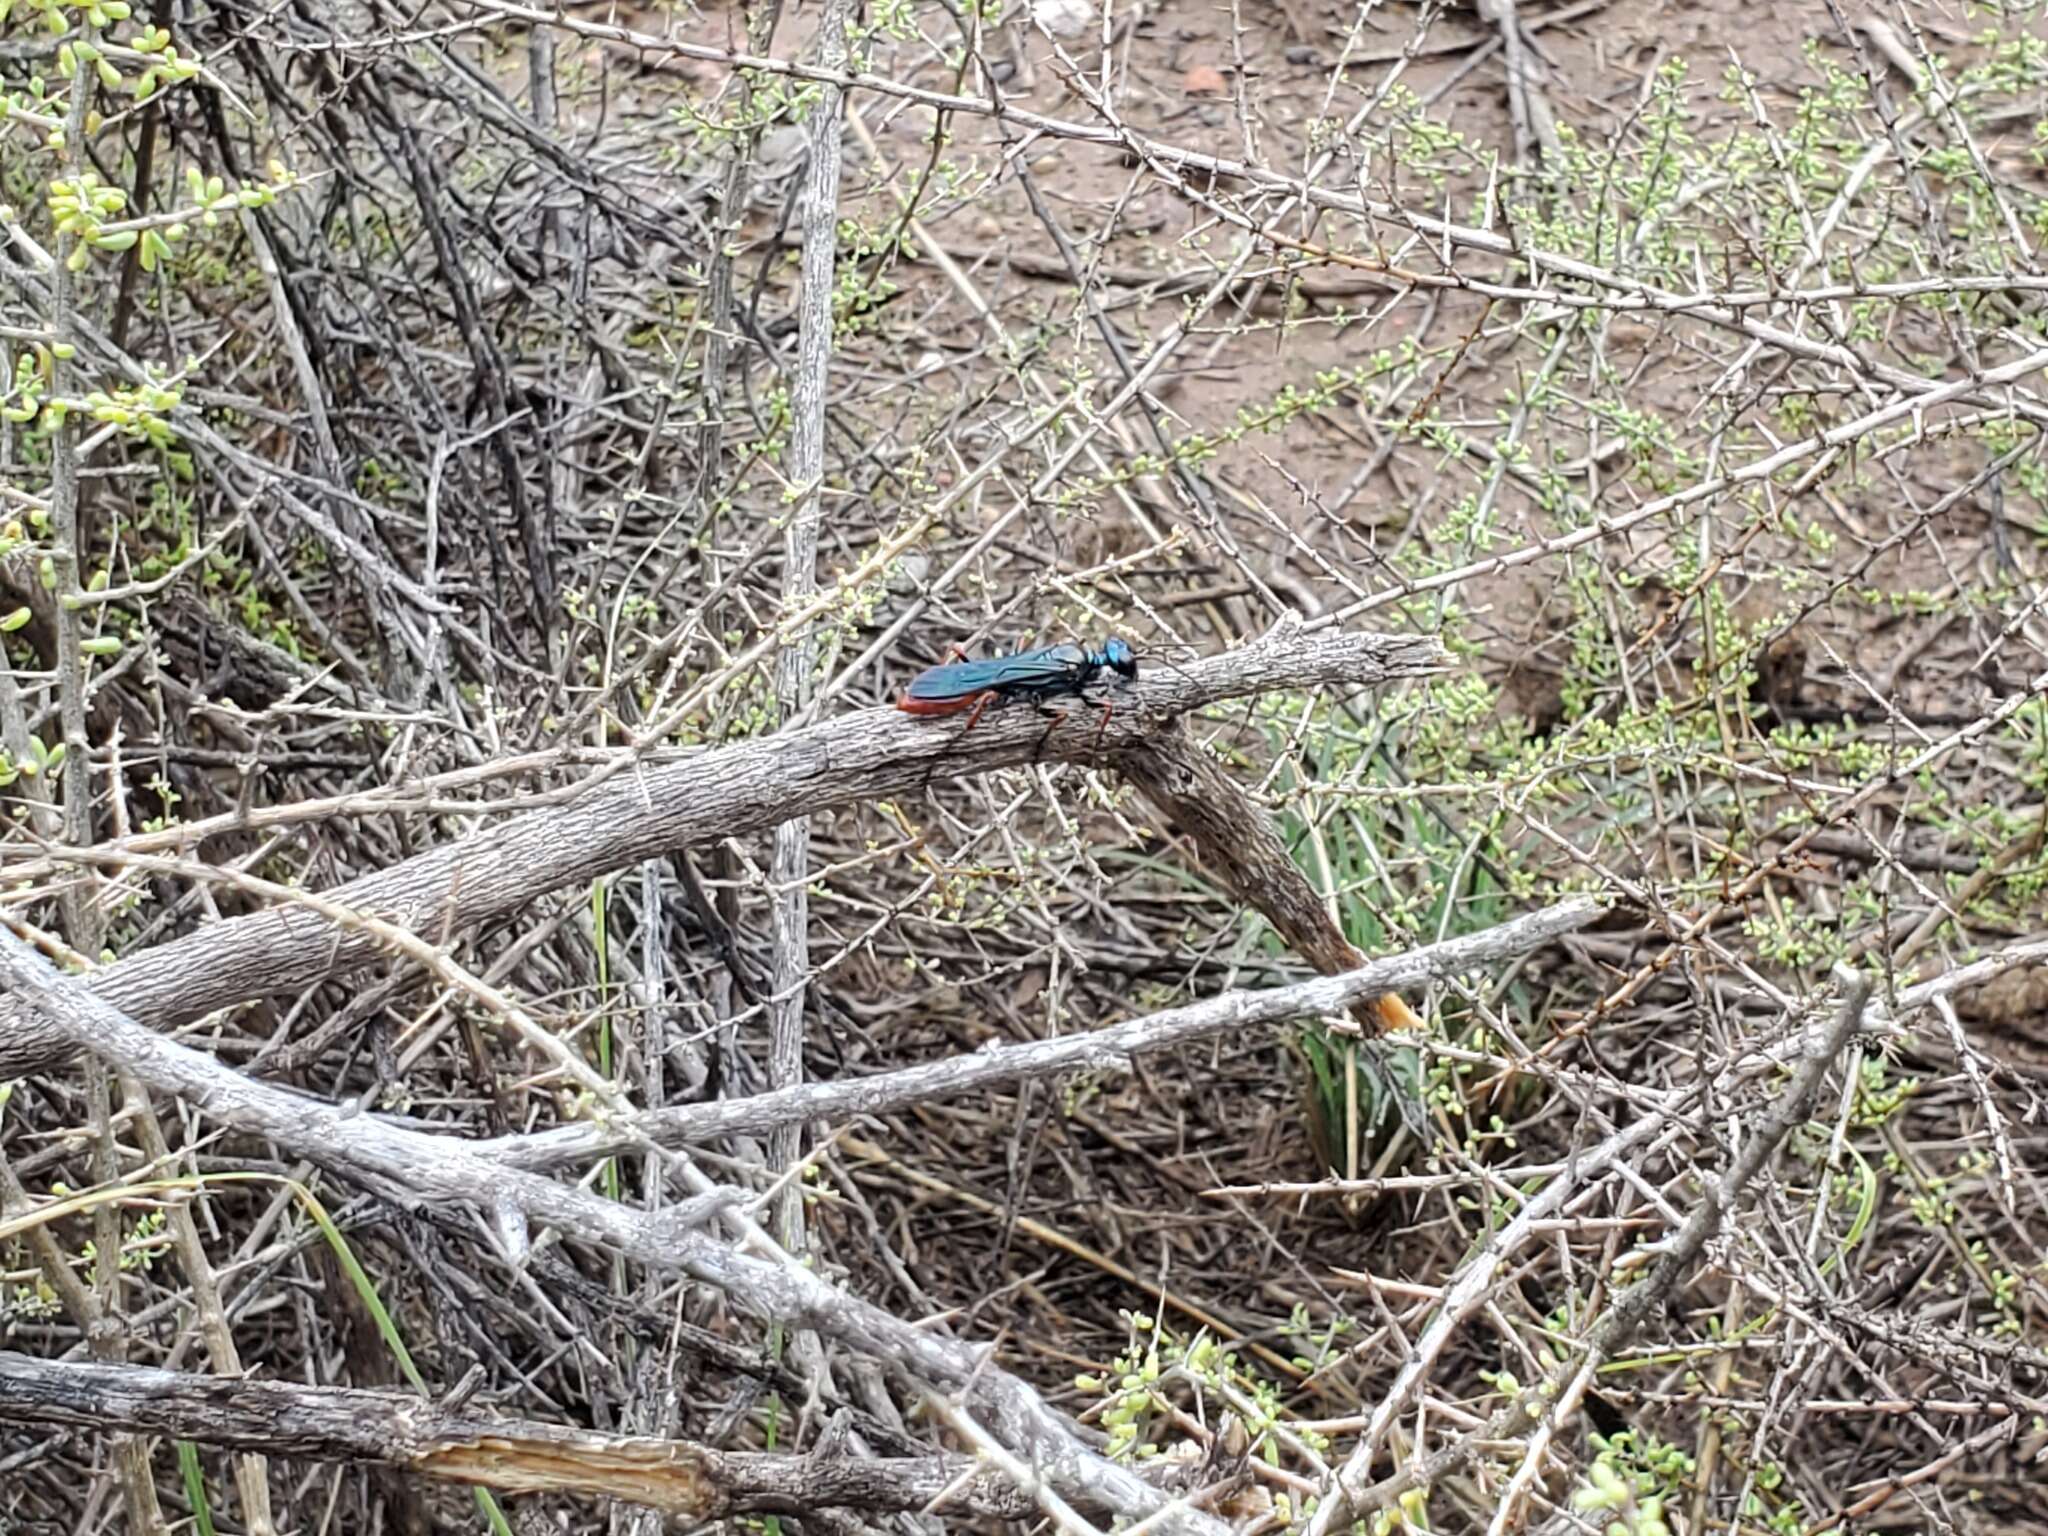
pixel 1117 655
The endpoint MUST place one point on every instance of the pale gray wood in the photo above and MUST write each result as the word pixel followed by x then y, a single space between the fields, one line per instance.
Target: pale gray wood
pixel 640 814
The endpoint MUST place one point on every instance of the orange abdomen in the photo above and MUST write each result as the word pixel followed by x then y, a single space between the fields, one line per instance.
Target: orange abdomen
pixel 965 701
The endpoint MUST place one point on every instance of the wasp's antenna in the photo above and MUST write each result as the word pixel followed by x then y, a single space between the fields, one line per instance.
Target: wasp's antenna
pixel 1162 656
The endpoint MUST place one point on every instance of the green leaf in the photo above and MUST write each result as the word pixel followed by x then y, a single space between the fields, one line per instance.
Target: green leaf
pixel 195 1487
pixel 365 1288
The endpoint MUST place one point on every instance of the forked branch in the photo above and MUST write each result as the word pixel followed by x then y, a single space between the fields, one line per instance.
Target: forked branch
pixel 629 813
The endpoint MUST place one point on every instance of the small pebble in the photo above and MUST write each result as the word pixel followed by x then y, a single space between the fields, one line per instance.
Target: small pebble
pixel 1205 80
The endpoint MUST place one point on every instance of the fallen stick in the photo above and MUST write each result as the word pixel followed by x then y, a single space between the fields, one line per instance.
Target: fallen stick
pixel 342 1424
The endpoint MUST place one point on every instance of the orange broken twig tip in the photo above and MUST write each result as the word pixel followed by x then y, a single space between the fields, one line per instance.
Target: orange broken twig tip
pixel 1395 1014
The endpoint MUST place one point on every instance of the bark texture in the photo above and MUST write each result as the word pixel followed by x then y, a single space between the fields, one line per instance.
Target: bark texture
pixel 511 1455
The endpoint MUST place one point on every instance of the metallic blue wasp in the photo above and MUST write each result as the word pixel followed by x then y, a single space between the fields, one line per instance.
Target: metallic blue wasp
pixel 971 686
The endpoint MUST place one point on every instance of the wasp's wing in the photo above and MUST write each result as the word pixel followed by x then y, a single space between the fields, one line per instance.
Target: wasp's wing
pixel 961 679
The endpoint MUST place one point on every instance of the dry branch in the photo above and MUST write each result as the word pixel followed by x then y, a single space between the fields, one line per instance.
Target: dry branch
pixel 796 665
pixel 1238 843
pixel 411 1168
pixel 1546 1407
pixel 722 792
pixel 1095 1050
pixel 677 1477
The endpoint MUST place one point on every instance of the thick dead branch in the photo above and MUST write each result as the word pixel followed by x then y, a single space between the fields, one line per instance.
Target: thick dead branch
pixel 796 666
pixel 412 1167
pixel 676 1477
pixel 726 792
pixel 1238 843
